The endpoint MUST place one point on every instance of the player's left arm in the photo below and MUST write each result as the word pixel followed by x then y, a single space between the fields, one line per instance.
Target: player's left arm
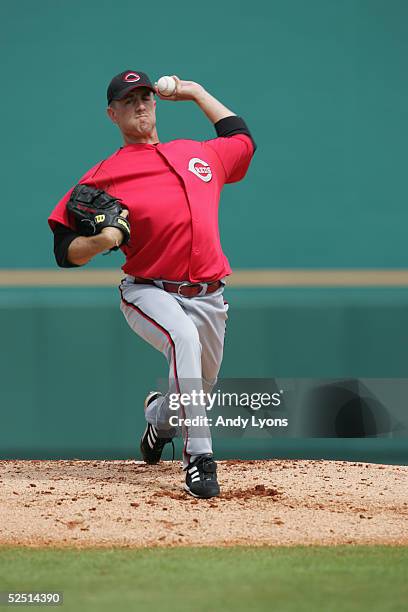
pixel 225 121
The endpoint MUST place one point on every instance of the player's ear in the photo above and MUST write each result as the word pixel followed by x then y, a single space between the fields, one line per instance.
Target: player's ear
pixel 110 111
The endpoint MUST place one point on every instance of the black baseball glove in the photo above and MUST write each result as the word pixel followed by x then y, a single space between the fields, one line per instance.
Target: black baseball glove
pixel 93 209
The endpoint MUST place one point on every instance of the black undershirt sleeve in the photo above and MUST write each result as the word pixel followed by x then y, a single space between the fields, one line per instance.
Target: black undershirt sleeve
pixel 233 125
pixel 63 236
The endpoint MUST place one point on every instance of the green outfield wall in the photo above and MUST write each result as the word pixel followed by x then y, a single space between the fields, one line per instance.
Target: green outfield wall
pixel 75 376
pixel 322 85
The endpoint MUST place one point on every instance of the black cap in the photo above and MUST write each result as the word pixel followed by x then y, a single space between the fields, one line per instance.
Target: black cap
pixel 124 82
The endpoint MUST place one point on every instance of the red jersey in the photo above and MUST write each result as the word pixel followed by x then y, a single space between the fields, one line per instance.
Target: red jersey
pixel 172 192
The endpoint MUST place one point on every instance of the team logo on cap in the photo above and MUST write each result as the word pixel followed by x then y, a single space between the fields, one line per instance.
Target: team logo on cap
pixel 131 77
pixel 200 168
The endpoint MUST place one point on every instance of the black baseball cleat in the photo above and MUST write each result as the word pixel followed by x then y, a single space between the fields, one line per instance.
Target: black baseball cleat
pixel 151 446
pixel 201 477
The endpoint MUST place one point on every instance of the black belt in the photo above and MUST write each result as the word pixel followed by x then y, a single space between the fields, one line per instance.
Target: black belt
pixel 185 289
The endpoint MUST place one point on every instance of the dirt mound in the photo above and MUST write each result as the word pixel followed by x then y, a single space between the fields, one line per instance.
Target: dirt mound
pixel 127 503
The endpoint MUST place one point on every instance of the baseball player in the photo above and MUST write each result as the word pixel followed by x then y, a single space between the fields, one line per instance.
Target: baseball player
pixel 161 208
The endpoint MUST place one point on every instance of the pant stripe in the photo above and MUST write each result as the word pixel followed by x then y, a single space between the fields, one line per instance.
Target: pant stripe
pixel 173 348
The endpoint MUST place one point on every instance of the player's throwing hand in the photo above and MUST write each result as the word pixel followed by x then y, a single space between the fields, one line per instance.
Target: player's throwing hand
pixel 185 90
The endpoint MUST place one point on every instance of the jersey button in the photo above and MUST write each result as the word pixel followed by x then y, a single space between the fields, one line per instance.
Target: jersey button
pixel 196 251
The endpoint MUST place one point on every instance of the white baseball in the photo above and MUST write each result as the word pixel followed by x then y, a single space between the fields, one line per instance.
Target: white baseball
pixel 166 85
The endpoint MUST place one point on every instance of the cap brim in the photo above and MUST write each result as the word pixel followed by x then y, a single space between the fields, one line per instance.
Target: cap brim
pixel 124 92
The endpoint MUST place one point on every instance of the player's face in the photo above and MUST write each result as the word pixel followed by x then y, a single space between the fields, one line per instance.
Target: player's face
pixel 135 114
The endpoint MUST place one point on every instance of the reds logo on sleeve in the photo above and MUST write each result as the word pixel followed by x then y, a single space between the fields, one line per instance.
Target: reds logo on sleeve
pixel 200 168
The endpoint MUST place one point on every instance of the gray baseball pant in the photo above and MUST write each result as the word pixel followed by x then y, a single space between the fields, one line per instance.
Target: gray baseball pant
pixel 190 334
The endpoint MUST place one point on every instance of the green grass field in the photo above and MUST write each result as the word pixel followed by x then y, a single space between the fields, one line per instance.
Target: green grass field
pixel 214 579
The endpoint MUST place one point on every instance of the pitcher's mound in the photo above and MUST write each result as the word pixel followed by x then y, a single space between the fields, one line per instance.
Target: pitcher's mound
pixel 127 503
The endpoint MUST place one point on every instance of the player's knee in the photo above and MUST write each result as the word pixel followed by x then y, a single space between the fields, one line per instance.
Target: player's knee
pixel 188 337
